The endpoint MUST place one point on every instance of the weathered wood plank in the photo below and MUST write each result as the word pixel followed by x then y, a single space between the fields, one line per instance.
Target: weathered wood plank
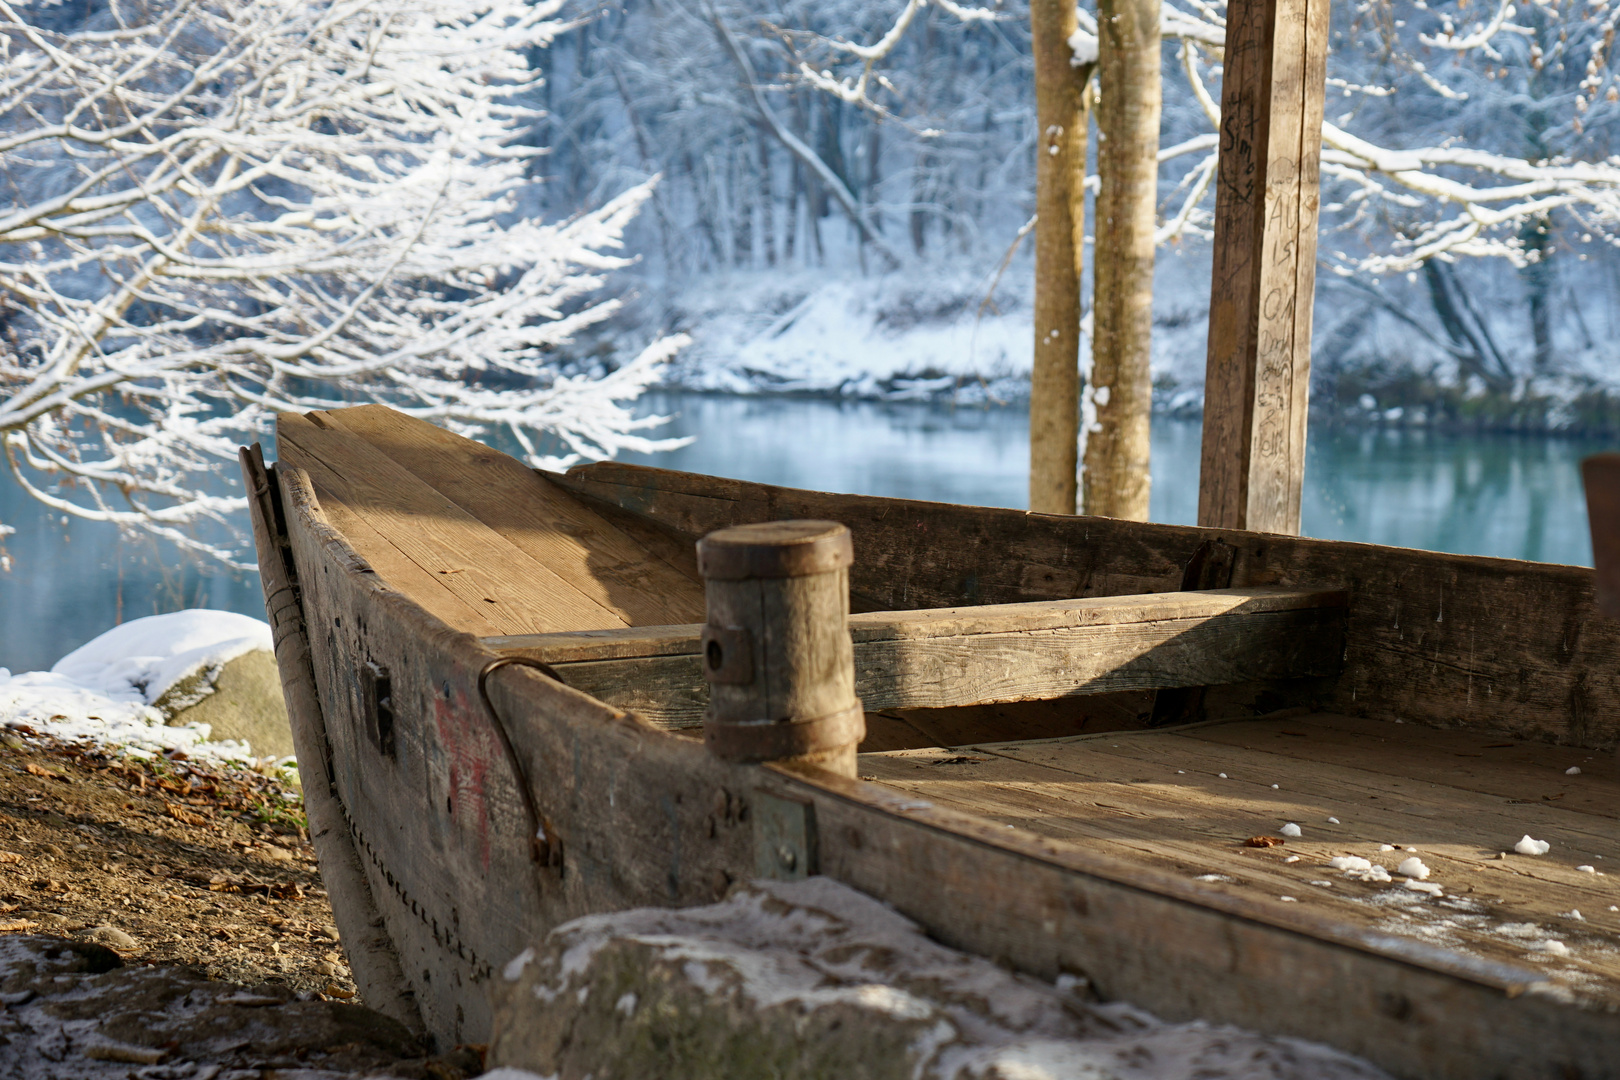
pixel 1041 664
pixel 370 952
pixel 439 826
pixel 1449 640
pixel 394 566
pixel 549 524
pixel 1050 906
pixel 1184 803
pixel 478 564
pixel 1257 381
pixel 999 653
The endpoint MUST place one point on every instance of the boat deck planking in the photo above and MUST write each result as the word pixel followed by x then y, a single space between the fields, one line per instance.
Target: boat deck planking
pixel 485 544
pixel 1455 798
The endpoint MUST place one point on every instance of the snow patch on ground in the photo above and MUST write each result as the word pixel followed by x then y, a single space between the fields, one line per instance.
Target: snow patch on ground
pixel 106 692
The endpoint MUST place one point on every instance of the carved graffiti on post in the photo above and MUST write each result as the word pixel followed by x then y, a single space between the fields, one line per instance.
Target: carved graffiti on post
pixel 1258 373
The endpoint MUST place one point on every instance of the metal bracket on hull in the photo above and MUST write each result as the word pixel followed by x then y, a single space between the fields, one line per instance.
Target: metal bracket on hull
pixel 784 837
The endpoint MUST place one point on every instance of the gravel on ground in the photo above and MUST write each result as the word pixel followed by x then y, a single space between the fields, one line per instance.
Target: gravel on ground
pixel 167 863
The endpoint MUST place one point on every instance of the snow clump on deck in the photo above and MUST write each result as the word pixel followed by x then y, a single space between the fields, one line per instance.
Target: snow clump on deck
pixel 1528 846
pixel 1359 869
pixel 106 691
pixel 1413 868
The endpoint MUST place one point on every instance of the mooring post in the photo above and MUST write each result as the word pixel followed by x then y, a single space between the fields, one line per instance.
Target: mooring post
pixel 776 647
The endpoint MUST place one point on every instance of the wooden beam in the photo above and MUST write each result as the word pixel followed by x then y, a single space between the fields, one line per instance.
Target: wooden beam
pixel 981 655
pixel 1412 640
pixel 1257 381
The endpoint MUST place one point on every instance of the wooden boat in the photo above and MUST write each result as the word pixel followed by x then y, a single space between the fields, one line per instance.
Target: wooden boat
pixel 1074 727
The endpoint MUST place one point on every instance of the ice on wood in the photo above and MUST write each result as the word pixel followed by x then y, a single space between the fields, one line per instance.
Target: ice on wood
pixel 1359 869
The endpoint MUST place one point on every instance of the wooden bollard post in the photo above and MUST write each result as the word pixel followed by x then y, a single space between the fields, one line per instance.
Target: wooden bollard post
pixel 776 648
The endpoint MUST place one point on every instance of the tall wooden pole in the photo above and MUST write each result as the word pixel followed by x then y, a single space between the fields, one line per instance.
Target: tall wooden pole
pixel 1117 481
pixel 1060 229
pixel 1257 382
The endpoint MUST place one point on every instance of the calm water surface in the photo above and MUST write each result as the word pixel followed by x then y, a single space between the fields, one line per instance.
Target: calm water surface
pixel 1484 495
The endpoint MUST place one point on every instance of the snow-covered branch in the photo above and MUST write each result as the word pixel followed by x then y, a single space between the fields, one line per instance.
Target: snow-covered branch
pixel 216 210
pixel 1464 216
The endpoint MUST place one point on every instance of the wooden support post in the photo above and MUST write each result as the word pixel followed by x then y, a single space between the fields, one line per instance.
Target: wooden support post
pixel 1257 381
pixel 776 648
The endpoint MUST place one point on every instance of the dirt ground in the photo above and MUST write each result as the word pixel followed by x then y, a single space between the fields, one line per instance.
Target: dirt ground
pixel 164 861
pixel 172 864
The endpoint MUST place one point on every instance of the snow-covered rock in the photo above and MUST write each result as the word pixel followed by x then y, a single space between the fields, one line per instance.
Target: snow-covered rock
pixel 813 979
pixel 199 681
pixel 153 655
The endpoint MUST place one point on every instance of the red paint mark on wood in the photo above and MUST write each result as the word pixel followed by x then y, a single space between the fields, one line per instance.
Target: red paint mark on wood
pixel 469 746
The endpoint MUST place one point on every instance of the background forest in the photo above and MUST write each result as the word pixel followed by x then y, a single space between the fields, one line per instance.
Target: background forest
pixel 1468 264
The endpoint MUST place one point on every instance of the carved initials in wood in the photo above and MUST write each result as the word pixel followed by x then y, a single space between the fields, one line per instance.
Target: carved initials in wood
pixel 1258 375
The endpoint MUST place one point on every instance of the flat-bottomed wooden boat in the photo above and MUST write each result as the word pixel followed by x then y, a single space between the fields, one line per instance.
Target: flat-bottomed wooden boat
pixel 1074 728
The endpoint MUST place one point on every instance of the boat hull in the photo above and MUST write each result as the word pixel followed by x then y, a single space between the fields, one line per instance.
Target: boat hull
pixel 645 816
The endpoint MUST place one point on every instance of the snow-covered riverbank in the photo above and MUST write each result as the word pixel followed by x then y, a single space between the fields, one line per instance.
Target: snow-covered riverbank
pixel 960 334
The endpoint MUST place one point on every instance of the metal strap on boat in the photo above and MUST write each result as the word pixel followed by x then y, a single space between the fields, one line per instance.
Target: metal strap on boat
pixel 545 846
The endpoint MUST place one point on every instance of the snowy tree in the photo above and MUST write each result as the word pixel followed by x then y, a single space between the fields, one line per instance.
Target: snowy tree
pixel 1462 133
pixel 216 210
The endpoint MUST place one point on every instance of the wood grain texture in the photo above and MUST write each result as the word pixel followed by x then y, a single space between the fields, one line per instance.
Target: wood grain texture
pixel 1257 379
pixel 439 826
pixel 650 818
pixel 789 692
pixel 484 569
pixel 1184 802
pixel 1447 640
pixel 1002 653
pixel 591 554
pixel 370 952
pixel 1052 906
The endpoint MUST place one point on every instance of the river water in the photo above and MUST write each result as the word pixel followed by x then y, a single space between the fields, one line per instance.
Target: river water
pixel 1517 497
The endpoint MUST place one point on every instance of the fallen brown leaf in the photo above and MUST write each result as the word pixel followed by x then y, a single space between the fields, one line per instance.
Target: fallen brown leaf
pixel 184 816
pixel 10 857
pixel 9 925
pixel 1264 841
pixel 40 770
pixel 337 991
